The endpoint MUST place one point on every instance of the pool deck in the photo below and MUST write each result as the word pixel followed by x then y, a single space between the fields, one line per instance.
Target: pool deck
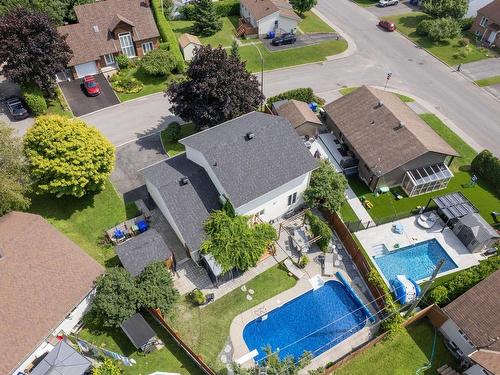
pixel 373 238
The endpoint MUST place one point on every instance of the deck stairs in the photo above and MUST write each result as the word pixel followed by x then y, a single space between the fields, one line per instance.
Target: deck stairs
pixel 446 370
pixel 378 250
pixel 317 282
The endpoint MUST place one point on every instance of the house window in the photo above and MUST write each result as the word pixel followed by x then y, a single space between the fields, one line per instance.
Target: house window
pixel 109 59
pixel 260 213
pixel 147 47
pixel 484 22
pixel 127 45
pixel 292 199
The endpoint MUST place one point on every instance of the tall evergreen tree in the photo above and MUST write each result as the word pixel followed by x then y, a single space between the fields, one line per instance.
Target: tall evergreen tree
pixel 206 20
pixel 235 51
pixel 217 88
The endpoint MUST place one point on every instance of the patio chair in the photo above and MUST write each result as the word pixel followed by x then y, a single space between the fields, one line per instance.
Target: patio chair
pixel 427 221
pixel 328 265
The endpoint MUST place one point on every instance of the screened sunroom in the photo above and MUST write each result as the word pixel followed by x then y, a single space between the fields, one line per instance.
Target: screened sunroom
pixel 424 180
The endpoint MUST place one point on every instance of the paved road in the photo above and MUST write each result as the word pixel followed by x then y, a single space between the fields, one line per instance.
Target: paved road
pixel 474 112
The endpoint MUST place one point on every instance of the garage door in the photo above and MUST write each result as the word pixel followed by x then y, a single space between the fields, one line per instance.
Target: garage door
pixel 87 69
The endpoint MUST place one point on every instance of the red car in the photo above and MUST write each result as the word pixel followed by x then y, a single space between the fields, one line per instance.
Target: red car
pixel 90 86
pixel 388 25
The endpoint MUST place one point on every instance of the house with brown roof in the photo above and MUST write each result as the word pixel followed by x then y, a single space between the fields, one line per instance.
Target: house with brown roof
pixel 106 29
pixel 46 286
pixel 486 26
pixel 473 326
pixel 303 119
pixel 188 44
pixel 269 16
pixel 390 144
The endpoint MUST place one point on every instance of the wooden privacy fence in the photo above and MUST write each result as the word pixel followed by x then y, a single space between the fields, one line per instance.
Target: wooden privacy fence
pixel 356 254
pixel 196 358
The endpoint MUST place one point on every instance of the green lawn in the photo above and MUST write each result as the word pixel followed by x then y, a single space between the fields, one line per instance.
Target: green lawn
pixel 495 80
pixel 54 107
pixel 206 330
pixel 223 37
pixel 171 358
pixel 152 84
pixel 482 195
pixel 84 220
pixel 347 214
pixel 366 3
pixel 405 98
pixel 404 354
pixel 311 23
pixel 174 148
pixel 407 24
pixel 290 57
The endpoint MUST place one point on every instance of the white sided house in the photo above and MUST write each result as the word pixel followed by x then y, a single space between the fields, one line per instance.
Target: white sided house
pixel 255 161
pixel 188 44
pixel 269 16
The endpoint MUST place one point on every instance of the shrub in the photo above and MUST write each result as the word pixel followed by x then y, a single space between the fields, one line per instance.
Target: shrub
pixel 158 62
pixel 197 297
pixel 423 27
pixel 487 166
pixel 123 61
pixel 305 94
pixel 319 228
pixel 34 99
pixel 173 132
pixel 124 84
pixel 466 23
pixel 167 35
pixel 224 8
pixel 439 294
pixel 443 28
pixel 462 42
pixel 165 46
pixel 303 261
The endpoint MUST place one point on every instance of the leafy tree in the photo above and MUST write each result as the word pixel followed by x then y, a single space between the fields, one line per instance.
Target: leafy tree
pixel 158 62
pixel 442 28
pixel 67 157
pixel 14 181
pixel 319 228
pixel 446 8
pixel 327 188
pixel 276 366
pixel 157 288
pixel 206 19
pixel 233 242
pixel 218 88
pixel 235 50
pixel 302 6
pixel 59 11
pixel 173 132
pixel 108 367
pixel 32 49
pixel 168 7
pixel 487 166
pixel 117 298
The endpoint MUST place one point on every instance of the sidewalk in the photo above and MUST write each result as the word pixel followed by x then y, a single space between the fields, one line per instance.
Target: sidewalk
pixel 359 209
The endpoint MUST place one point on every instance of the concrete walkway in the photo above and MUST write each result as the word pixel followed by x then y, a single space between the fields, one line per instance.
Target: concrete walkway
pixel 359 209
pixel 482 69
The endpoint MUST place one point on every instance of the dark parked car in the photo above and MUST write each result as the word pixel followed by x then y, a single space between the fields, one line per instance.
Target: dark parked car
pixel 287 38
pixel 388 25
pixel 16 108
pixel 90 86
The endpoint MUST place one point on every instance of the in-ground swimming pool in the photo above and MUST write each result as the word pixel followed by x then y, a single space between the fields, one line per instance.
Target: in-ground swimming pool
pixel 299 325
pixel 416 261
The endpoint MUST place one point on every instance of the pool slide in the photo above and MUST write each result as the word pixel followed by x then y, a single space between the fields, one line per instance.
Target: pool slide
pixel 353 294
pixel 405 290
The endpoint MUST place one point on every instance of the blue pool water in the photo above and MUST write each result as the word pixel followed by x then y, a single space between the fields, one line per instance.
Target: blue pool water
pixel 416 261
pixel 299 325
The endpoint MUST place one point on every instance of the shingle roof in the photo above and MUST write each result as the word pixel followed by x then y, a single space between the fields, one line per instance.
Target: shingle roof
pixel 187 39
pixel 297 113
pixel 88 45
pixel 488 359
pixel 248 169
pixel 481 229
pixel 477 312
pixel 263 8
pixel 43 276
pixel 140 251
pixel 492 10
pixel 62 360
pixel 190 204
pixel 375 133
pixel 138 330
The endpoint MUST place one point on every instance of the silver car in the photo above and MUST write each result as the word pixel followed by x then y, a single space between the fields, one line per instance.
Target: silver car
pixel 385 3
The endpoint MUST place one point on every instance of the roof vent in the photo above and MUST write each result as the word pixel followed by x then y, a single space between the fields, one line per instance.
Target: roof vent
pixel 249 136
pixel 401 125
pixel 380 104
pixel 95 28
pixel 184 181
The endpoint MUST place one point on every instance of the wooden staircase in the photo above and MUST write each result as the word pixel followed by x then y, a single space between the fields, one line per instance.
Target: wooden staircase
pixel 446 370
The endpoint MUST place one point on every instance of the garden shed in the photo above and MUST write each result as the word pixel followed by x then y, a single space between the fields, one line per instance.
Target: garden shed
pixel 188 44
pixel 139 332
pixel 475 233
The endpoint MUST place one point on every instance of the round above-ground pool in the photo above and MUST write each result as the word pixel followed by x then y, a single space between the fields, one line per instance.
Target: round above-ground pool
pixel 314 322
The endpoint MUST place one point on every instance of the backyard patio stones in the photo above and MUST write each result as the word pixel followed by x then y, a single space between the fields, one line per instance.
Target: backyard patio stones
pixel 228 348
pixel 243 288
pixel 251 291
pixel 249 297
pixel 223 358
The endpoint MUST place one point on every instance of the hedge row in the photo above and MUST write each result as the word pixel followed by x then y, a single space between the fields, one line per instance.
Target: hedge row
pixel 487 166
pixel 167 35
pixel 34 99
pixel 224 8
pixel 305 94
pixel 319 228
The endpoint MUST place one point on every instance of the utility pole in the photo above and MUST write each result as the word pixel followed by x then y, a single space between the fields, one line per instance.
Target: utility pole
pixel 261 74
pixel 389 75
pixel 426 288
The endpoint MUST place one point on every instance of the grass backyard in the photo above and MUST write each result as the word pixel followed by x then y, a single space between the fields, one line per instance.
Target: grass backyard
pixel 170 358
pixel 404 354
pixel 482 195
pixel 206 330
pixel 223 37
pixel 311 23
pixel 347 214
pixel 495 80
pixel 407 25
pixel 84 220
pixel 174 148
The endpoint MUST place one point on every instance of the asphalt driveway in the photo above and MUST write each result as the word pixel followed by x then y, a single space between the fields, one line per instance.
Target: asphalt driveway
pixel 82 104
pixel 7 89
pixel 401 8
pixel 302 41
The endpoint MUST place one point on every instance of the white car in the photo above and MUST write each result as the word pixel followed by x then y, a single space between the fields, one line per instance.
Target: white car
pixel 385 3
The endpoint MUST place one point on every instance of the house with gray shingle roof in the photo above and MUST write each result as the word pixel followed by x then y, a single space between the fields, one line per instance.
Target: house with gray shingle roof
pixel 255 161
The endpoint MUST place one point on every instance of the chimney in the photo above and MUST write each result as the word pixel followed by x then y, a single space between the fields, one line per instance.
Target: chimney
pixel 249 136
pixel 183 181
pixel 95 28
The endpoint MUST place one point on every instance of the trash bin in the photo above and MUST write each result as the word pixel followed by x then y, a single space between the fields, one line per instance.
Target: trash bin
pixel 271 35
pixel 313 106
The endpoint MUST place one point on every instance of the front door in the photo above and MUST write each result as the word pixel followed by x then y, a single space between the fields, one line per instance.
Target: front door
pixel 492 37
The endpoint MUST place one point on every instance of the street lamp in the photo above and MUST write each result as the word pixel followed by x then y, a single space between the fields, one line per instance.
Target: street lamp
pixel 389 75
pixel 261 74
